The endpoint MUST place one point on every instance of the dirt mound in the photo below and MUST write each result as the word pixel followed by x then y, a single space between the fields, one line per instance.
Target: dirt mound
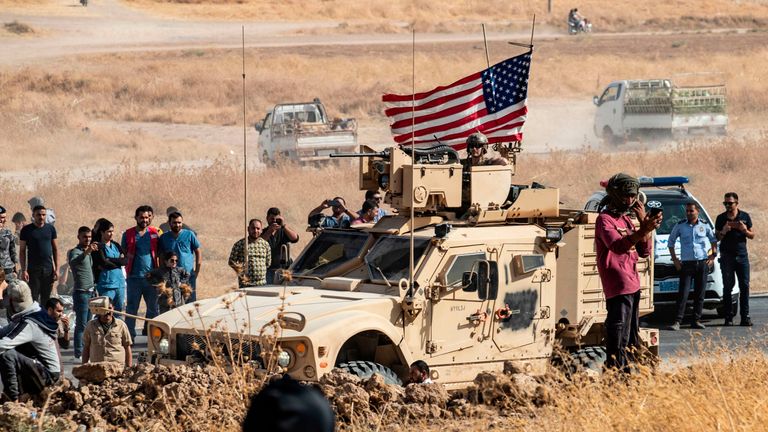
pixel 148 397
pixel 371 403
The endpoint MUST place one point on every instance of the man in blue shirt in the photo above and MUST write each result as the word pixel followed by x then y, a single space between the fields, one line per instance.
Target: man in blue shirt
pixel 341 217
pixel 698 249
pixel 186 246
pixel 140 244
pixel 374 195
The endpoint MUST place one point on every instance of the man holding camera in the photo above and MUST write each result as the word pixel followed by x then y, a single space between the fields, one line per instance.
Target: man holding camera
pixel 277 234
pixel 341 217
pixel 619 245
pixel 733 228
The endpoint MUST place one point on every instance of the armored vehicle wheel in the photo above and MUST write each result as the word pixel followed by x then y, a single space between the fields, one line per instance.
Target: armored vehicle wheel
pixel 366 369
pixel 591 358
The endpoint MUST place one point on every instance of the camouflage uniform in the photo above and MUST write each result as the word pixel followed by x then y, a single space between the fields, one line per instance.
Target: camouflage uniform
pixel 259 259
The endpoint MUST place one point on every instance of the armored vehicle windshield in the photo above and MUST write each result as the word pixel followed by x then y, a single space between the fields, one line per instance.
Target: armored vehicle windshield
pixel 328 251
pixel 388 259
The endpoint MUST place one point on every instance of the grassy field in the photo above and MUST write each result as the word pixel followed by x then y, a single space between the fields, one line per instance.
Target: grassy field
pixel 168 87
pixel 211 198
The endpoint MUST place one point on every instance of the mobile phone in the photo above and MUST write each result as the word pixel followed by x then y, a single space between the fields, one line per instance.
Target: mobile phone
pixel 654 211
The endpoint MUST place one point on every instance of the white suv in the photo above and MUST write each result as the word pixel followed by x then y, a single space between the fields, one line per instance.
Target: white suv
pixel 670 194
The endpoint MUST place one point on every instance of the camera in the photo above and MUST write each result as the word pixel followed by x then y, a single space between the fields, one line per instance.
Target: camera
pixel 279 220
pixel 334 203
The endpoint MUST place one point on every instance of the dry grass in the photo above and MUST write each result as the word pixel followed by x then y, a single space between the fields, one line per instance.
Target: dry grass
pixel 211 198
pixel 18 28
pixel 454 15
pixel 169 87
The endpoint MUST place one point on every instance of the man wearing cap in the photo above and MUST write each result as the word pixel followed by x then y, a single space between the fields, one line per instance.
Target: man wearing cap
pixel 107 339
pixel 8 255
pixel 619 245
pixel 40 365
pixel 39 255
pixel 50 215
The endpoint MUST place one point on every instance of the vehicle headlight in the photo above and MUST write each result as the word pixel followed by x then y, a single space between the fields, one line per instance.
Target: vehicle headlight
pixel 283 358
pixel 164 347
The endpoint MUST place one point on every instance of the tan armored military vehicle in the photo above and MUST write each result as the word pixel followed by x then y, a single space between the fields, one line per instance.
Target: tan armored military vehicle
pixel 500 272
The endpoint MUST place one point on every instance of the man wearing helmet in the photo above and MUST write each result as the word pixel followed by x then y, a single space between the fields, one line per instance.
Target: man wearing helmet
pixel 477 147
pixel 619 245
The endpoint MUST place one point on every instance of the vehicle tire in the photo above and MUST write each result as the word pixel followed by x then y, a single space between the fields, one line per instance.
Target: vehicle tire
pixel 366 369
pixel 608 138
pixel 590 358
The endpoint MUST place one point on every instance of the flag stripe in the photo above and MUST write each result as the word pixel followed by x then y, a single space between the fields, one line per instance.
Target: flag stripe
pixel 480 121
pixel 424 97
pixel 435 104
pixel 440 117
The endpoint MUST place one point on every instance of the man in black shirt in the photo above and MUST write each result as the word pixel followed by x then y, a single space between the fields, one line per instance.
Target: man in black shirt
pixel 39 255
pixel 733 227
pixel 277 234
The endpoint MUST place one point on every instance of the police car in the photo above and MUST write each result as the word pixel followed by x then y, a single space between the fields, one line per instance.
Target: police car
pixel 669 194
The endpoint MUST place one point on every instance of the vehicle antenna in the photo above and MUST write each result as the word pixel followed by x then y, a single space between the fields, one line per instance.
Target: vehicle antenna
pixel 245 168
pixel 413 154
pixel 485 43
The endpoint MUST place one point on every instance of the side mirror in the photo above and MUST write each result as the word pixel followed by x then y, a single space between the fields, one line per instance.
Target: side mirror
pixel 469 281
pixel 483 279
pixel 493 283
pixel 259 127
pixel 595 100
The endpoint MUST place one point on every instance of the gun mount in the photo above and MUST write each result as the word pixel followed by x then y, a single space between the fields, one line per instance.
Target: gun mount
pixel 443 183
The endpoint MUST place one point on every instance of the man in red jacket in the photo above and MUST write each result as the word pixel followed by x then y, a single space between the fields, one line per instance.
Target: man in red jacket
pixel 140 245
pixel 619 245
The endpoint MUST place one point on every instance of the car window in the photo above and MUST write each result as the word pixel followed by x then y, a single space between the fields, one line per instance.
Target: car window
pixel 461 264
pixel 674 212
pixel 611 93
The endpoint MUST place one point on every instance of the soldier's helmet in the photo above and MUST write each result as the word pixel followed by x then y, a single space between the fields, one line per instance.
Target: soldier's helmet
pixel 475 140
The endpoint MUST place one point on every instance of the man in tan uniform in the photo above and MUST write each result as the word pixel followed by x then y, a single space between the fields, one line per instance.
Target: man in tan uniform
pixel 107 339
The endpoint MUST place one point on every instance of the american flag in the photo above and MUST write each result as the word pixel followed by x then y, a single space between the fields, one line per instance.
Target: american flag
pixel 492 102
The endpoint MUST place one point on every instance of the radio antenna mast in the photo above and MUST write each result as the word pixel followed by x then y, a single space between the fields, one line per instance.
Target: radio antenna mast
pixel 413 156
pixel 245 168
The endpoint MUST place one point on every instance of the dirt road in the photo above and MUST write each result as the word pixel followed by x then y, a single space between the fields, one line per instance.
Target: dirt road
pixel 65 29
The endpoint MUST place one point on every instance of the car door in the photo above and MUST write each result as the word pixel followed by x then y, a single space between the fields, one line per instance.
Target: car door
pixel 609 111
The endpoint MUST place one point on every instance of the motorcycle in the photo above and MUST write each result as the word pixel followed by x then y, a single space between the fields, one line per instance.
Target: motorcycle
pixel 583 26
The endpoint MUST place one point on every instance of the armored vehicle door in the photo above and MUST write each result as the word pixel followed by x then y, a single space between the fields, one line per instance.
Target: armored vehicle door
pixel 456 311
pixel 525 285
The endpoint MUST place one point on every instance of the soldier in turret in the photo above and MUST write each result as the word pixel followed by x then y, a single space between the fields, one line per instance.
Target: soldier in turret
pixel 477 148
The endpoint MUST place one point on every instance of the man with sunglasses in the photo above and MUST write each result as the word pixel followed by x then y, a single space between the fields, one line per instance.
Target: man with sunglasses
pixel 374 196
pixel 733 228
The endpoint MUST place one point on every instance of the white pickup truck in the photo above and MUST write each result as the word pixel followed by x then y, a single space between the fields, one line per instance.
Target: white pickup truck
pixel 302 132
pixel 640 106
